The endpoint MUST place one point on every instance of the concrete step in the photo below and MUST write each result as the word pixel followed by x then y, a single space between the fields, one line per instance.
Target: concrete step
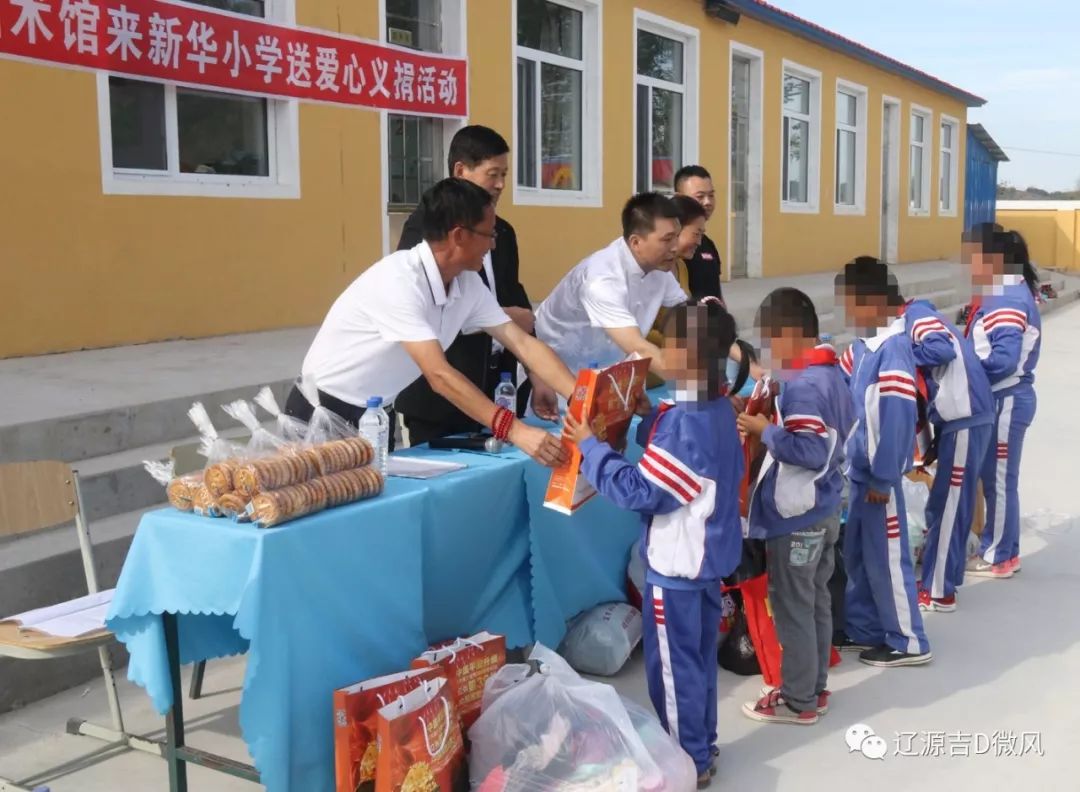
pixel 118 483
pixel 45 568
pixel 74 438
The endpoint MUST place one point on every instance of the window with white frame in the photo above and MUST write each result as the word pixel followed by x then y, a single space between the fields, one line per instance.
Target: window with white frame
pixel 415 144
pixel 801 138
pixel 919 173
pixel 948 186
pixel 850 181
pixel 556 84
pixel 665 108
pixel 165 139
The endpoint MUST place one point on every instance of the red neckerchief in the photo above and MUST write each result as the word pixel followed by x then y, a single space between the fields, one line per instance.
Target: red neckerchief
pixel 973 308
pixel 821 355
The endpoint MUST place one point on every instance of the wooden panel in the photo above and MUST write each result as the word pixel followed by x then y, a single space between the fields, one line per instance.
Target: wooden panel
pixel 186 459
pixel 32 644
pixel 35 495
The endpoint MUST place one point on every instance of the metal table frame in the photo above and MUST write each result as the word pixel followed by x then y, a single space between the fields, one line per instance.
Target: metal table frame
pixel 177 753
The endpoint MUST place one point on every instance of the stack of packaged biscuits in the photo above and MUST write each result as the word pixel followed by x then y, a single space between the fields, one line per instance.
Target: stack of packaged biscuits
pixel 270 487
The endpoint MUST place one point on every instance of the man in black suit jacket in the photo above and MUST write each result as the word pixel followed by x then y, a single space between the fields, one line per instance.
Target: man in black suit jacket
pixel 480 155
pixel 703 269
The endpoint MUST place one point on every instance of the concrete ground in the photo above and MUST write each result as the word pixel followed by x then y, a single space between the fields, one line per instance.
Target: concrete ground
pixel 1003 672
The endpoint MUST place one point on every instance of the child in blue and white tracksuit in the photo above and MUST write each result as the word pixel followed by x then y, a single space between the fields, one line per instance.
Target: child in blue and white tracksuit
pixel 795 506
pixel 686 488
pixel 881 601
pixel 1006 330
pixel 962 414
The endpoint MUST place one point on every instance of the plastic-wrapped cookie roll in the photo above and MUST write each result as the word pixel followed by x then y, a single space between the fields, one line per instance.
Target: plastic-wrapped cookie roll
pixel 204 503
pixel 232 504
pixel 219 477
pixel 338 455
pixel 181 490
pixel 352 485
pixel 274 507
pixel 271 473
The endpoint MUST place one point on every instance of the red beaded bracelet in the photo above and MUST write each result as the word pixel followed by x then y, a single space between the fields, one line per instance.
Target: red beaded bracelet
pixel 501 423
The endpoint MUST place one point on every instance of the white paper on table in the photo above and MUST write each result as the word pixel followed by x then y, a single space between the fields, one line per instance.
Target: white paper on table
pixel 414 468
pixel 68 619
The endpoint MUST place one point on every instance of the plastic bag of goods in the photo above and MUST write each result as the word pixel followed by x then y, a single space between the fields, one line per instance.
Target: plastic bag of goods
pixel 601 640
pixel 916 495
pixel 557 731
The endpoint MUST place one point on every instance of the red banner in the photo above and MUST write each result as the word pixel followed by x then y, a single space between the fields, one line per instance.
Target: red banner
pixel 201 47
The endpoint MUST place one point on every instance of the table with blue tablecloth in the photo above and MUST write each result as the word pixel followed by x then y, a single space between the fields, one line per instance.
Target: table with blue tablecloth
pixel 359 591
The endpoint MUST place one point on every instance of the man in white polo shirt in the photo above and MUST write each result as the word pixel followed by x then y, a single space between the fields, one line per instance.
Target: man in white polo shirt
pixel 602 310
pixel 394 322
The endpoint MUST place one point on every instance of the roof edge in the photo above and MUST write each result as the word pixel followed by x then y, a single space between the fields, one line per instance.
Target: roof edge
pixel 980 134
pixel 785 20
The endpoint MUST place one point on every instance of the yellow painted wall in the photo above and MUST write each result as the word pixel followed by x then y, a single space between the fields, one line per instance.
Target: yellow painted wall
pixel 792 243
pixel 82 269
pixel 1053 236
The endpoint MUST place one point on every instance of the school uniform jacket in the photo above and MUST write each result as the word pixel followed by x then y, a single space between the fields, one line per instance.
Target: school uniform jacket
pixel 881 447
pixel 686 489
pixel 800 483
pixel 1007 333
pixel 958 389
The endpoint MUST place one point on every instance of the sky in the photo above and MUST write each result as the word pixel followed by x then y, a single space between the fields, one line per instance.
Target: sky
pixel 1022 57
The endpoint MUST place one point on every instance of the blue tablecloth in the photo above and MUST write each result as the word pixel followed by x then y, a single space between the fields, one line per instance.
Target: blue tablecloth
pixel 359 591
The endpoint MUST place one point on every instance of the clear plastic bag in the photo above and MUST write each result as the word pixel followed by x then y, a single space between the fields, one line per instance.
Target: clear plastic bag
pixel 676 766
pixel 557 731
pixel 325 425
pixel 601 640
pixel 916 496
pixel 292 430
pixel 180 490
pixel 262 441
pixel 212 446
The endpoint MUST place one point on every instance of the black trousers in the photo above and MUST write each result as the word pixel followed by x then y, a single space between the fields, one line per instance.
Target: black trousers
pixel 297 406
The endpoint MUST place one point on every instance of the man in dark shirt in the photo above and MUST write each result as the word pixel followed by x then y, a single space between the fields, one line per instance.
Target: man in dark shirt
pixel 704 268
pixel 480 155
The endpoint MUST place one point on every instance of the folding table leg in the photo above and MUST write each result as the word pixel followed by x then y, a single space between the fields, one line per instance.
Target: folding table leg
pixel 197 680
pixel 174 720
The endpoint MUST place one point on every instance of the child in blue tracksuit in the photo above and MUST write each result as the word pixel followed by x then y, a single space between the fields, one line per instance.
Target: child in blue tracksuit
pixel 686 488
pixel 961 411
pixel 881 600
pixel 1006 330
pixel 795 506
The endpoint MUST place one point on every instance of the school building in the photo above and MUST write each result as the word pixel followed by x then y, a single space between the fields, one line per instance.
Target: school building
pixel 135 211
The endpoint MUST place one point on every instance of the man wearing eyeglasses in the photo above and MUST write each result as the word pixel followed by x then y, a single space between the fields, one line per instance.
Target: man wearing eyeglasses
pixel 395 322
pixel 480 155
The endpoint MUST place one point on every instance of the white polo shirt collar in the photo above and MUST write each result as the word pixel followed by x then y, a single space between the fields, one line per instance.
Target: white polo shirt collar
pixel 435 279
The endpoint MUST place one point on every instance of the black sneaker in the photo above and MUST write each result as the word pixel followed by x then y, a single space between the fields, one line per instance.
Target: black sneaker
pixel 715 750
pixel 846 644
pixel 885 656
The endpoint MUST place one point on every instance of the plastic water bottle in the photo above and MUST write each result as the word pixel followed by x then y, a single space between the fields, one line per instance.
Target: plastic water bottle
pixel 375 427
pixel 506 393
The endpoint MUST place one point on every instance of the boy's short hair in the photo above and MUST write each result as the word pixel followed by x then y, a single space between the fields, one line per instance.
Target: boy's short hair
pixel 788 308
pixel 474 144
pixel 709 330
pixel 451 203
pixel 690 172
pixel 867 276
pixel 641 212
pixel 688 208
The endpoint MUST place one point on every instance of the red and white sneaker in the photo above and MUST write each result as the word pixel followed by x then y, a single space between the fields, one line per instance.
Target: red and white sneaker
pixel 773 709
pixel 1015 563
pixel 977 567
pixel 822 699
pixel 939 604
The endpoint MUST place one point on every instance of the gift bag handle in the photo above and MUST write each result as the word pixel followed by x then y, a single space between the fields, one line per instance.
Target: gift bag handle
pixel 446 731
